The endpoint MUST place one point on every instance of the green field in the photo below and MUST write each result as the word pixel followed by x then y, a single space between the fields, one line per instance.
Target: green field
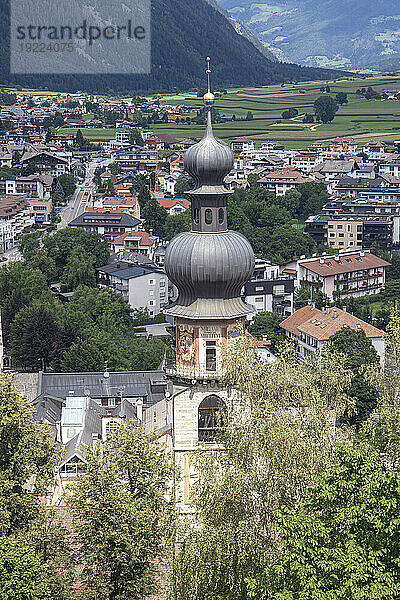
pixel 360 118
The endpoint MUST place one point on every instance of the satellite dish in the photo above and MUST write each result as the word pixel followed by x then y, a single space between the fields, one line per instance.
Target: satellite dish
pixel 106 374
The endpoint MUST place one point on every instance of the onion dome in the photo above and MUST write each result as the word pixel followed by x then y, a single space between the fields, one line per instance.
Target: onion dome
pixel 209 270
pixel 210 264
pixel 209 161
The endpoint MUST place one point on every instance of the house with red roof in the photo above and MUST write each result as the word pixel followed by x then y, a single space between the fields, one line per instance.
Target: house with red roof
pixel 136 241
pixel 311 328
pixel 283 180
pixel 174 206
pixel 346 274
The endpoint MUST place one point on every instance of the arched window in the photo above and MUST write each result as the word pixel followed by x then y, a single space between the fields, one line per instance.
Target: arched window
pixel 208 216
pixel 221 216
pixel 212 411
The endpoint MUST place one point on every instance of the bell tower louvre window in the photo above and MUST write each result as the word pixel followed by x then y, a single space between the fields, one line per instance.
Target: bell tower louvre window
pixel 212 411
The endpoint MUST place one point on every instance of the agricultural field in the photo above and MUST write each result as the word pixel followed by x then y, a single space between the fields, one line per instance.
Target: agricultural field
pixel 360 118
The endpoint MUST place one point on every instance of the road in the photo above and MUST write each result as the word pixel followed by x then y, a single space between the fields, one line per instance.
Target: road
pixel 77 204
pixel 75 207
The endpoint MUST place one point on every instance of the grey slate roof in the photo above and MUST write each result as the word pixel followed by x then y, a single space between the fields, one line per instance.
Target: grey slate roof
pixel 334 166
pixel 105 219
pixel 130 272
pixel 149 385
pixel 92 425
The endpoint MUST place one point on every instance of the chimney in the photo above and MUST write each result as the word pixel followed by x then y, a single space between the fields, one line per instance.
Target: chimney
pixel 321 261
pixel 358 326
pixel 150 232
pixel 362 253
pixel 344 308
pixel 334 313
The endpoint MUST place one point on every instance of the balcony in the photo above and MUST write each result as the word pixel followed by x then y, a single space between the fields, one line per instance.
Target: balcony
pixel 193 372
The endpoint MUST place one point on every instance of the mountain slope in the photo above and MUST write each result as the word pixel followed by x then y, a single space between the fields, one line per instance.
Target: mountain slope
pixel 327 33
pixel 184 32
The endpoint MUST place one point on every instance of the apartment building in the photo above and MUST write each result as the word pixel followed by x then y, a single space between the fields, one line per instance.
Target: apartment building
pixel 345 274
pixel 109 224
pixel 141 287
pixel 348 231
pixel 268 290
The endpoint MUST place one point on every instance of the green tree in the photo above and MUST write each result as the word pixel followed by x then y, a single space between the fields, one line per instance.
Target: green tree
pixel 33 336
pixel 341 541
pixel 61 244
pixel 155 217
pixel 79 140
pixel 183 184
pixel 122 518
pixel 325 108
pixel 79 270
pixel 68 183
pixel 267 325
pixel 28 460
pixel 341 98
pixel 277 434
pixel 135 138
pixel 175 224
pixel 359 353
pixel 286 242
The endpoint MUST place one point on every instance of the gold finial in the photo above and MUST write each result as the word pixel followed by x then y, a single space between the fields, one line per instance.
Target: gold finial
pixel 208 98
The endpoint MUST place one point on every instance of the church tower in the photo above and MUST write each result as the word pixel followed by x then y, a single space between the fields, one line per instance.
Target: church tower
pixel 209 265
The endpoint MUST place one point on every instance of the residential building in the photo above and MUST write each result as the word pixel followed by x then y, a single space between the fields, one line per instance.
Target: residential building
pixel 242 144
pixel 41 209
pixel 125 203
pixel 333 169
pixel 348 231
pixel 174 206
pixel 371 189
pixel 305 161
pixel 346 274
pixel 344 145
pixel 15 216
pixel 39 186
pixel 141 287
pixel 139 160
pixel 136 241
pixel 312 328
pixel 281 181
pixel 46 163
pixel 122 136
pixel 269 290
pixel 111 225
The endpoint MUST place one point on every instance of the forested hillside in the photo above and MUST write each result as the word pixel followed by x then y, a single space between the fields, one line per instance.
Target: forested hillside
pixel 184 32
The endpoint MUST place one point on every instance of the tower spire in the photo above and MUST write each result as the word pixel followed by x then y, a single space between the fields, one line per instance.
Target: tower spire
pixel 208 98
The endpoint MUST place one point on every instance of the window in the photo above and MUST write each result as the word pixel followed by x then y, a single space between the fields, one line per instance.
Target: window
pixel 196 215
pixel 340 226
pixel 211 355
pixel 259 299
pixel 162 283
pixel 341 234
pixel 278 290
pixel 151 293
pixel 151 302
pixel 151 281
pixel 211 416
pixel 111 426
pixel 221 216
pixel 359 227
pixel 208 216
pixel 260 288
